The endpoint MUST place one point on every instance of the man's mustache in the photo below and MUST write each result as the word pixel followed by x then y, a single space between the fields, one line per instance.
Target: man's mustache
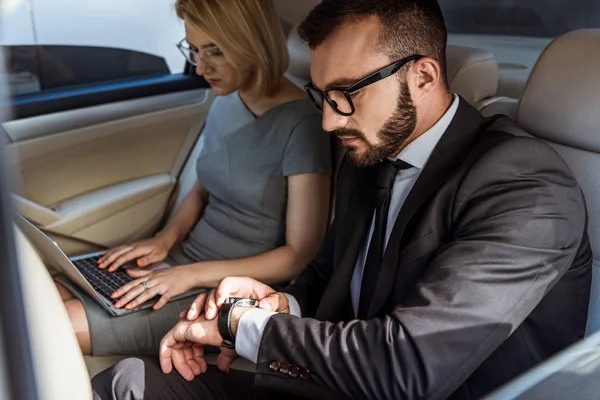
pixel 349 133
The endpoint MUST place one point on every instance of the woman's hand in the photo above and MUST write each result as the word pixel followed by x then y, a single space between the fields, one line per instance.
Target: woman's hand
pixel 167 283
pixel 145 251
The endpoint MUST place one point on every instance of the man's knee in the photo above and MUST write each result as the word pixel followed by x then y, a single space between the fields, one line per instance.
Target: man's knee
pixel 124 380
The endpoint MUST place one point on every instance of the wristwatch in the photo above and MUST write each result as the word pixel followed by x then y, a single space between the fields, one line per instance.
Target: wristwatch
pixel 224 318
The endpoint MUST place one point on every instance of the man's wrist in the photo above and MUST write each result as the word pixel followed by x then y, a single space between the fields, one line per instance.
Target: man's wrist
pixel 202 331
pixel 236 315
pixel 251 326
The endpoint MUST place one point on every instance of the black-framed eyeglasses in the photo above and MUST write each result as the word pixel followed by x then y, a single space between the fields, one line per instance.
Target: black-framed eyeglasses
pixel 340 98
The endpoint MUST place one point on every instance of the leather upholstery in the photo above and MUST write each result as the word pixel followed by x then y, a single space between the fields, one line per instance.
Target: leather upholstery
pixel 560 104
pixel 59 366
pixel 472 73
pixel 299 69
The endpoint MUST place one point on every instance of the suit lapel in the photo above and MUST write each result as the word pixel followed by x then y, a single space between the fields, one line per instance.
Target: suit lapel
pixel 353 229
pixel 457 140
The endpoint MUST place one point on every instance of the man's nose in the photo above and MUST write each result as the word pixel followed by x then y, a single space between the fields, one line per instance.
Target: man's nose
pixel 331 119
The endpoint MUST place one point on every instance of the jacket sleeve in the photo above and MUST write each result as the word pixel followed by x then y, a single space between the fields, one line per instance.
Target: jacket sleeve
pixel 518 219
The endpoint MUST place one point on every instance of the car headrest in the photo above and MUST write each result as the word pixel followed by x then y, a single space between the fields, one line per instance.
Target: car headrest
pixel 561 102
pixel 299 69
pixel 472 73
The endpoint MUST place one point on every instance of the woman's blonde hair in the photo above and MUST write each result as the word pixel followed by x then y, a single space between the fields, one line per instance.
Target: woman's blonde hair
pixel 248 32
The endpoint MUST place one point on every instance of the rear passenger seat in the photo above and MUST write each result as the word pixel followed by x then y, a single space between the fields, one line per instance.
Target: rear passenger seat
pixel 560 105
pixel 58 364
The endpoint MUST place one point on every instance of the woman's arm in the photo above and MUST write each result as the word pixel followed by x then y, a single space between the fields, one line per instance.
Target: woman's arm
pixel 156 249
pixel 188 213
pixel 306 222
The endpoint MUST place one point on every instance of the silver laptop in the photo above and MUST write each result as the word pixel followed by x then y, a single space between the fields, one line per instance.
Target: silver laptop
pixel 83 270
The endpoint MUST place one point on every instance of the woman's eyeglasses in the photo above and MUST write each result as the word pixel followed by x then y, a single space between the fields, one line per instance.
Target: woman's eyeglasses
pixel 211 56
pixel 340 98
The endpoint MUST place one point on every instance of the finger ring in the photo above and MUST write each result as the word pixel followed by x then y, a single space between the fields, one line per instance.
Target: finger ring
pixel 145 285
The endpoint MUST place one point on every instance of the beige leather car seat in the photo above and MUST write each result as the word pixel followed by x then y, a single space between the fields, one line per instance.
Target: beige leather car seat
pixel 561 105
pixel 59 366
pixel 472 73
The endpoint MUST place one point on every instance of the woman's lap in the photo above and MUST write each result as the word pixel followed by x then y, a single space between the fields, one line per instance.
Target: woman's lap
pixel 137 333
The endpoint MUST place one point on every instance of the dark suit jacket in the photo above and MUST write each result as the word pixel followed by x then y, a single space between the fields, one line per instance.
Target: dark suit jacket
pixel 487 272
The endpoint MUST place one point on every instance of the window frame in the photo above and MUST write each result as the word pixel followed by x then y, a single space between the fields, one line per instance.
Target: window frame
pixel 67 98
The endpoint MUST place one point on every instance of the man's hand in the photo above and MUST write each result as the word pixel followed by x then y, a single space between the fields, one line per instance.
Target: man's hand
pixel 192 364
pixel 183 347
pixel 268 298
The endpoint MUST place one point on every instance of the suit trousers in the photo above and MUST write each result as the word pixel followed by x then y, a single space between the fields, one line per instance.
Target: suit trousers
pixel 142 379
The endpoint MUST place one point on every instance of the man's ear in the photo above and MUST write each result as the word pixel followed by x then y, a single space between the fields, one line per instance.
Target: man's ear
pixel 424 76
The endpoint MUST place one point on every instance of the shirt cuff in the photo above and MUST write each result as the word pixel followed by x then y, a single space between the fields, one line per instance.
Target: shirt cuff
pixel 249 332
pixel 294 306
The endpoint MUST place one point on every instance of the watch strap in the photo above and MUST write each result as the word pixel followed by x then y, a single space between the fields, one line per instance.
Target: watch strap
pixel 224 318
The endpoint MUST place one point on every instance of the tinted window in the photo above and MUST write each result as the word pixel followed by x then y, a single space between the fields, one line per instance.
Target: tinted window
pixel 537 18
pixel 36 68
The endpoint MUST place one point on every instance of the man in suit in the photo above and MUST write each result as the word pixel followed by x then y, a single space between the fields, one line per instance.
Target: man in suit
pixel 458 257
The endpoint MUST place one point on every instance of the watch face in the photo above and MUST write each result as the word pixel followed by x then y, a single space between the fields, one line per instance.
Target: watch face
pixel 242 301
pixel 231 300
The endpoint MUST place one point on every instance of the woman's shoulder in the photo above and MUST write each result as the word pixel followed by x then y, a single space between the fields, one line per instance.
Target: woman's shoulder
pixel 307 146
pixel 295 112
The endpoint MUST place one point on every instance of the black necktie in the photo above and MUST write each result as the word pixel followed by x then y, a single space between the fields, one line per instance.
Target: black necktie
pixel 386 175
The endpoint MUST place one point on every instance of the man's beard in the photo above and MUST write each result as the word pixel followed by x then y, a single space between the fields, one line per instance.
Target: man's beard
pixel 392 135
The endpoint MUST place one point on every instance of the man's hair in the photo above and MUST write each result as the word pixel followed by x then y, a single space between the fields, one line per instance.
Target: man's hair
pixel 409 26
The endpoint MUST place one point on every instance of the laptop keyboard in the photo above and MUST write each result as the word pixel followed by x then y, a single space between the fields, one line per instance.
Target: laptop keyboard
pixel 104 282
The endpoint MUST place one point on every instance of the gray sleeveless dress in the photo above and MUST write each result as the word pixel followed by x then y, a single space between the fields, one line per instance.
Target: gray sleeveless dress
pixel 244 164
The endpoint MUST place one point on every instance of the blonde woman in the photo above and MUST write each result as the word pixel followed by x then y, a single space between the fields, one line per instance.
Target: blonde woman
pixel 260 204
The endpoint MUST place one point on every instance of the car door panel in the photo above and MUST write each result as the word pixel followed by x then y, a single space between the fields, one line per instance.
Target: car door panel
pixel 108 177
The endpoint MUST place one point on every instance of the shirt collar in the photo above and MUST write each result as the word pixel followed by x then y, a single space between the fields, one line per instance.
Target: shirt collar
pixel 418 151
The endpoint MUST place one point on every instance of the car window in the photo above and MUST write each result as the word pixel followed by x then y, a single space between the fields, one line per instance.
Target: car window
pixel 39 68
pixel 534 18
pixel 52 45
